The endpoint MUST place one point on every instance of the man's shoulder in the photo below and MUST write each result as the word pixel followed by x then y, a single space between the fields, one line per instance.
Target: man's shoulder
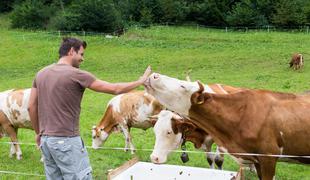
pixel 46 68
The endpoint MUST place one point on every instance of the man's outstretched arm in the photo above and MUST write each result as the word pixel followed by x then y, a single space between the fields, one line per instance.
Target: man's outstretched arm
pixel 118 88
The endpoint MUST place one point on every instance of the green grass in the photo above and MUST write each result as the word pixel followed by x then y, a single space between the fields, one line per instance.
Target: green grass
pixel 252 59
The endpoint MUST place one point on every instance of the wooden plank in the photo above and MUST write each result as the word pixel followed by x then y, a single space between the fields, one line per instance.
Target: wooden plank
pixel 113 173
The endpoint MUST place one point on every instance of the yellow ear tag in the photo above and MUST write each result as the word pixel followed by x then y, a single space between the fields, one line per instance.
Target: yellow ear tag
pixel 200 102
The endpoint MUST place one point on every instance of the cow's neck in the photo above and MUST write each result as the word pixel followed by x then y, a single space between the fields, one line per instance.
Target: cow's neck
pixel 197 137
pixel 220 117
pixel 107 122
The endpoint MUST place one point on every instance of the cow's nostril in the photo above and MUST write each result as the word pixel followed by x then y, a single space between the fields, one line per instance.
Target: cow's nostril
pixel 156 159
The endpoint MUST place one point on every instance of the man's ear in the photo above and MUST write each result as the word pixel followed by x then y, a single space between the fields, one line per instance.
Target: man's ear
pixel 71 51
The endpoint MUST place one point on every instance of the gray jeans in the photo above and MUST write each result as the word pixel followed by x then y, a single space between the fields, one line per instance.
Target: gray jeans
pixel 65 158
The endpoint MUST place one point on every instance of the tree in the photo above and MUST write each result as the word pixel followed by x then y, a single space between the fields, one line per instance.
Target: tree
pixel 289 13
pixel 31 14
pixel 251 13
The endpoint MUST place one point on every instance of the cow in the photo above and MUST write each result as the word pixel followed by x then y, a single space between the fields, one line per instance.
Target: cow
pixel 201 139
pixel 171 131
pixel 124 111
pixel 297 61
pixel 14 115
pixel 268 125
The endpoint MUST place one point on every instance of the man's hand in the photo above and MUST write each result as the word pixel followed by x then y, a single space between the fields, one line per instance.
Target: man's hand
pixel 146 74
pixel 38 140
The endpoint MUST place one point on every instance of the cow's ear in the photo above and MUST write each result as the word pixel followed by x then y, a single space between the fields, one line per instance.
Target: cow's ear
pixel 188 126
pixel 153 119
pixel 199 97
pixel 184 126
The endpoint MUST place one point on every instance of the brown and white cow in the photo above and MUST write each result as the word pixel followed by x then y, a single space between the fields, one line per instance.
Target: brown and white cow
pixel 170 132
pixel 167 121
pixel 297 61
pixel 14 115
pixel 124 111
pixel 250 121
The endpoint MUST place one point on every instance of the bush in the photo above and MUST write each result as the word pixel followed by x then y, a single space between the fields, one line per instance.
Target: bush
pixel 31 14
pixel 290 13
pixel 88 15
pixel 6 5
pixel 247 13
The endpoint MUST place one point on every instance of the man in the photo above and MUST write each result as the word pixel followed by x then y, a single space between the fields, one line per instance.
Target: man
pixel 54 110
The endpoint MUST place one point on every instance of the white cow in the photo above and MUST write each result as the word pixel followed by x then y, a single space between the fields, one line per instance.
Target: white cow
pixel 172 130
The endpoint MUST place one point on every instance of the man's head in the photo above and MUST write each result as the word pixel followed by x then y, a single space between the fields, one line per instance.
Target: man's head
pixel 74 50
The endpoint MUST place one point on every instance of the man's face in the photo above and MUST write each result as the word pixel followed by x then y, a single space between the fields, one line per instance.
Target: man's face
pixel 77 57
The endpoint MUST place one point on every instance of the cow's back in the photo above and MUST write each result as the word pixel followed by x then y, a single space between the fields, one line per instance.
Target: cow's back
pixel 15 107
pixel 134 108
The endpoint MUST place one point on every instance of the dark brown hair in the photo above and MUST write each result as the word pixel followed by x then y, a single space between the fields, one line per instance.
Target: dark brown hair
pixel 68 43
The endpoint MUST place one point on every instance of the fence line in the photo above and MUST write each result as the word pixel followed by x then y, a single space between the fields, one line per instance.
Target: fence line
pixel 115 33
pixel 20 173
pixel 150 150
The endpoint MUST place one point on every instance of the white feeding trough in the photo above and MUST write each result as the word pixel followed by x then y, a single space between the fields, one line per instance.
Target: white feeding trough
pixel 135 170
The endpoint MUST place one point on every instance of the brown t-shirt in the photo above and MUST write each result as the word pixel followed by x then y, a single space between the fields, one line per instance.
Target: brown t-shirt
pixel 60 89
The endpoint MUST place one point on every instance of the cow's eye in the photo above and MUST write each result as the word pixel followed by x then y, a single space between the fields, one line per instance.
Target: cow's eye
pixel 169 132
pixel 182 86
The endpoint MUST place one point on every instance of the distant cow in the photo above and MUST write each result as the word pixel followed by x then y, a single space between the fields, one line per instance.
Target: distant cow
pixel 14 115
pixel 124 111
pixel 172 130
pixel 297 61
pixel 260 122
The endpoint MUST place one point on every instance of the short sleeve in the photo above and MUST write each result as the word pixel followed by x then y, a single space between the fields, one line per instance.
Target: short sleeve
pixel 84 78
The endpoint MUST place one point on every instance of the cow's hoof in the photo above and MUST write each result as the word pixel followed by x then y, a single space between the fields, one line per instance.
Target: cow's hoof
pixel 19 157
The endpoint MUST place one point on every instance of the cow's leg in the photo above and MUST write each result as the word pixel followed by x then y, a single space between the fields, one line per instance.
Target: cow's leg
pixel 11 132
pixel 267 167
pixel 258 170
pixel 15 148
pixel 252 168
pixel 128 141
pixel 209 154
pixel 219 158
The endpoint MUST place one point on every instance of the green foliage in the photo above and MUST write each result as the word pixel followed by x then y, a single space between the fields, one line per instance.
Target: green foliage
pixel 249 13
pixel 209 12
pixel 289 13
pixel 111 15
pixel 88 15
pixel 31 14
pixel 6 5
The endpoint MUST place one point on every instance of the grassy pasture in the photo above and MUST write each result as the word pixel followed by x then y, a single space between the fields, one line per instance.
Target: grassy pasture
pixel 252 59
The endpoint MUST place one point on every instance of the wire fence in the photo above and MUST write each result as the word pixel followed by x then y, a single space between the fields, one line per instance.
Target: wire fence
pixel 150 150
pixel 25 34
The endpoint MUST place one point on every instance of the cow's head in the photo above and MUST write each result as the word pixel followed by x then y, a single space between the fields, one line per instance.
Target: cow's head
pixel 168 133
pixel 99 135
pixel 173 93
